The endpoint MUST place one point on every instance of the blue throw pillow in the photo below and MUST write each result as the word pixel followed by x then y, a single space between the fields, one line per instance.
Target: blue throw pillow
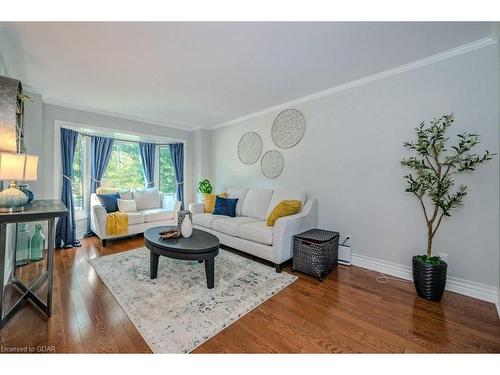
pixel 225 206
pixel 109 201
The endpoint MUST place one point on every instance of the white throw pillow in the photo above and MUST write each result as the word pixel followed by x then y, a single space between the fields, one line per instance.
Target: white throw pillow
pixel 126 195
pixel 256 203
pixel 147 199
pixel 126 205
pixel 239 193
pixel 285 195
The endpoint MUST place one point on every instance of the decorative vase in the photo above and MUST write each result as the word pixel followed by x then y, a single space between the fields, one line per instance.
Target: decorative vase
pixel 22 244
pixel 26 190
pixel 37 245
pixel 186 227
pixel 181 215
pixel 429 279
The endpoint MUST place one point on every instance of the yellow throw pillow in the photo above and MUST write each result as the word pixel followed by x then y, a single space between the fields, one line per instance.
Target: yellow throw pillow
pixel 283 208
pixel 107 190
pixel 209 201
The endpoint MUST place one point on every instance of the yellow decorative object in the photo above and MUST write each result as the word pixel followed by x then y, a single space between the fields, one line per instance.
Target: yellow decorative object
pixel 209 201
pixel 106 190
pixel 284 208
pixel 117 223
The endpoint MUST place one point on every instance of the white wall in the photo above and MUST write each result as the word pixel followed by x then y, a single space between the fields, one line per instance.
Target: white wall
pixel 349 159
pixel 33 130
pixel 202 154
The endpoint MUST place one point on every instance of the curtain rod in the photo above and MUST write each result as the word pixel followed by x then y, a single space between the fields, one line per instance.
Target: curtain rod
pixel 122 140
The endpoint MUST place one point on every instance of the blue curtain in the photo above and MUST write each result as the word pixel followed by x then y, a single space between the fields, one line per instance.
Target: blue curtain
pixel 147 151
pixel 100 152
pixel 66 225
pixel 177 153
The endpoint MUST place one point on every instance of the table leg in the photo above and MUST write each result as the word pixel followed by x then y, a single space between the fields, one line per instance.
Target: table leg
pixel 3 247
pixel 153 264
pixel 209 272
pixel 50 264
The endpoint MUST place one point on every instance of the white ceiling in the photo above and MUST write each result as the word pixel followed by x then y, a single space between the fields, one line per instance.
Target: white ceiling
pixel 203 74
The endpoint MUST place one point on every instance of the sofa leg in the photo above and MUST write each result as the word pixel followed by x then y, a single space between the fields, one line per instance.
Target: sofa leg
pixel 104 243
pixel 278 268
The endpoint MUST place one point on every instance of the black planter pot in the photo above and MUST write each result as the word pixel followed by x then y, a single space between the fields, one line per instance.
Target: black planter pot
pixel 429 279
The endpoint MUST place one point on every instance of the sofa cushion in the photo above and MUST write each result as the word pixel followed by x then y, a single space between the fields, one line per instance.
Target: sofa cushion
pixel 206 220
pixel 282 209
pixel 256 203
pixel 225 206
pixel 157 214
pixel 285 195
pixel 239 193
pixel 229 225
pixel 257 232
pixel 147 199
pixel 106 190
pixel 209 201
pixel 126 194
pixel 125 205
pixel 135 218
pixel 109 201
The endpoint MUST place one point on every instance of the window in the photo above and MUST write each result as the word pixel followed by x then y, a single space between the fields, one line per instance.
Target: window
pixel 124 170
pixel 168 184
pixel 78 174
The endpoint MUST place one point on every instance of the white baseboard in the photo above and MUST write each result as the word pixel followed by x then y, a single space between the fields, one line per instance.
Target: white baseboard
pixel 498 303
pixel 453 284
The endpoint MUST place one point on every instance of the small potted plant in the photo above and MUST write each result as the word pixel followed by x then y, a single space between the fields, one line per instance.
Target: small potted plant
pixel 435 165
pixel 205 187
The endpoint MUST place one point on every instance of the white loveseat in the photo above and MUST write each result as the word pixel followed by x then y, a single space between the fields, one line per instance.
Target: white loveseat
pixel 153 209
pixel 249 232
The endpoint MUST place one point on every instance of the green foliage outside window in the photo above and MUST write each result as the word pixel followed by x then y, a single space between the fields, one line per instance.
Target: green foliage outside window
pixel 124 170
pixel 168 183
pixel 78 173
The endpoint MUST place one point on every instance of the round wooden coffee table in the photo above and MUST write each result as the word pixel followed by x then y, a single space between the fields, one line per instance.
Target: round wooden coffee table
pixel 201 246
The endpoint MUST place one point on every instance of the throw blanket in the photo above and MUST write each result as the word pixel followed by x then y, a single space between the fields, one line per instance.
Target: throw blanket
pixel 117 223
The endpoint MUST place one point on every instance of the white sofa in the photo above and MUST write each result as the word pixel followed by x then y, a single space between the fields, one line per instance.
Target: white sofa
pixel 249 232
pixel 153 209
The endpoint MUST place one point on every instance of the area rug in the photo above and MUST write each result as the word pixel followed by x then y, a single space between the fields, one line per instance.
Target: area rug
pixel 176 312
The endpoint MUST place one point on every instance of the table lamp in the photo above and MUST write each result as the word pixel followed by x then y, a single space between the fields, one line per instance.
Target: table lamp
pixel 16 167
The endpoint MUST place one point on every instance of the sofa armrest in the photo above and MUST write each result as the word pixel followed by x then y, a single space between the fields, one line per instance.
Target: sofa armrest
pixel 177 208
pixel 197 208
pixel 286 227
pixel 98 216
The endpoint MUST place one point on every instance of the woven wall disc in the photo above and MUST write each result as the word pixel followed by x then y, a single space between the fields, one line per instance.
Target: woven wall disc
pixel 250 148
pixel 288 128
pixel 272 164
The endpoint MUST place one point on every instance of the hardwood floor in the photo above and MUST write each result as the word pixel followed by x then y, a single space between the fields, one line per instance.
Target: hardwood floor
pixel 349 312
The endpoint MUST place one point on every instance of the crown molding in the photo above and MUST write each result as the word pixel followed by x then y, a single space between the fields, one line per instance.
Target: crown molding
pixel 59 103
pixel 495 31
pixel 485 42
pixel 466 48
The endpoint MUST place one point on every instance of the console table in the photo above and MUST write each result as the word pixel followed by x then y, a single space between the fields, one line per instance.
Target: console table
pixel 38 210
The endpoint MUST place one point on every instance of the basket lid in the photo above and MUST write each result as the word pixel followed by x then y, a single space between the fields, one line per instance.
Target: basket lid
pixel 317 235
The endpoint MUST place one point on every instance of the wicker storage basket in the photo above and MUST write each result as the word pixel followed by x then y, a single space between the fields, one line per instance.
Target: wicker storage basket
pixel 315 252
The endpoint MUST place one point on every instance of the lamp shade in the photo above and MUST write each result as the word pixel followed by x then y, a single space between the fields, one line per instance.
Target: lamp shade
pixel 31 168
pixel 18 167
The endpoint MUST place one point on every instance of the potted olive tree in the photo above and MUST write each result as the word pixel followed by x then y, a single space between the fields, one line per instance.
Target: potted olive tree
pixel 434 165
